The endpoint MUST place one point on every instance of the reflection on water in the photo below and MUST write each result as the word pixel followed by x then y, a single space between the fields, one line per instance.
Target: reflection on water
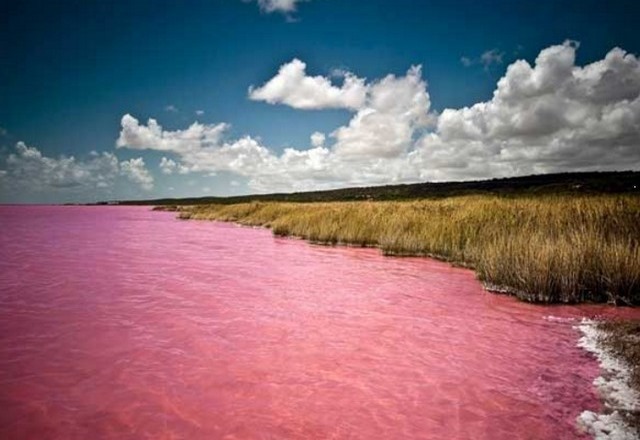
pixel 118 322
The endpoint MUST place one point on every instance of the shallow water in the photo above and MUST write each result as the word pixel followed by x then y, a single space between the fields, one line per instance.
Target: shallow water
pixel 119 322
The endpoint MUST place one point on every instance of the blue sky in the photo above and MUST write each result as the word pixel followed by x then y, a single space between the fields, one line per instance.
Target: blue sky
pixel 71 71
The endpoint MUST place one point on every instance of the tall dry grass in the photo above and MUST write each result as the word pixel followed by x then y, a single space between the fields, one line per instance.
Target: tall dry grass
pixel 539 248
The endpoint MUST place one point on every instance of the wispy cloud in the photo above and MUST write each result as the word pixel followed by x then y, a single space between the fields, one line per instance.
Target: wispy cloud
pixel 486 59
pixel 288 8
pixel 171 108
pixel 493 56
pixel 282 6
pixel 466 61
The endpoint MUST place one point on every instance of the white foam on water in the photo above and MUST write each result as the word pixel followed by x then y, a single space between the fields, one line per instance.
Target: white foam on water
pixel 552 318
pixel 606 426
pixel 614 389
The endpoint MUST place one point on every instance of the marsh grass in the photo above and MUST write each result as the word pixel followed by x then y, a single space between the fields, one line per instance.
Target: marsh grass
pixel 539 248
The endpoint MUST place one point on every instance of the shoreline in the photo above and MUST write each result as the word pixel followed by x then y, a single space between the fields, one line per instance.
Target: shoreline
pixel 620 396
pixel 620 416
pixel 546 249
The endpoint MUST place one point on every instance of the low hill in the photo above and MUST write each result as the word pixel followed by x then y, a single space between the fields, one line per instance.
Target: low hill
pixel 624 182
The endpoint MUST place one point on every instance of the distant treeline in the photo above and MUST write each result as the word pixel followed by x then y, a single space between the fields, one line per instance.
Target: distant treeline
pixel 625 182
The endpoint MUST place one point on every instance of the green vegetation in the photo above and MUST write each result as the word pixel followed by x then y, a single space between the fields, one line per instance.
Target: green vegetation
pixel 544 248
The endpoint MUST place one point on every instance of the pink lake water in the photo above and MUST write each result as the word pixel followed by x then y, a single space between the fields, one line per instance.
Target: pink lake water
pixel 119 322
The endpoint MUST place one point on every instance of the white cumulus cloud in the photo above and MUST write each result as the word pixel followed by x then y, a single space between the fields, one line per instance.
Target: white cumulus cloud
pixel 317 139
pixel 395 108
pixel 28 169
pixel 293 87
pixel 153 137
pixel 170 166
pixel 549 116
pixel 135 170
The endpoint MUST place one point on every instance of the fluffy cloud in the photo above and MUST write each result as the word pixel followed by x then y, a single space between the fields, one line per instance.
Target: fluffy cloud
pixel 547 117
pixel 293 87
pixel 170 166
pixel 317 139
pixel 389 111
pixel 392 112
pixel 552 116
pixel 395 108
pixel 200 147
pixel 27 168
pixel 135 170
pixel 153 137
